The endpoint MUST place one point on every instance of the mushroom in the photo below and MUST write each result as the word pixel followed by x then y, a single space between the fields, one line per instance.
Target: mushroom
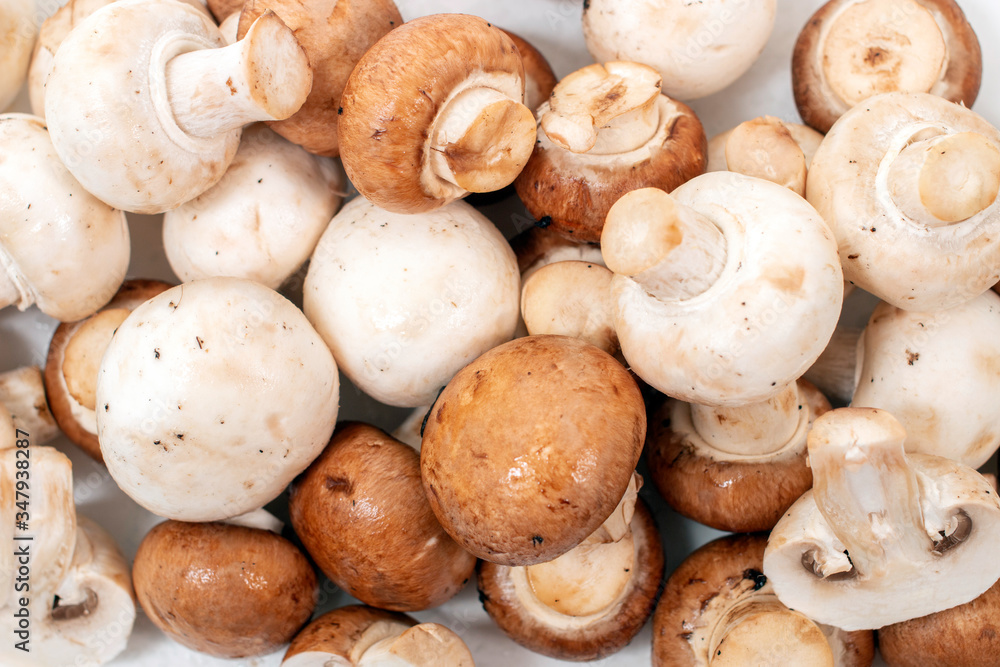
pixel 591 601
pixel 405 301
pixel 537 246
pixel 451 122
pixel 74 358
pixel 224 9
pixel 225 590
pixel 882 537
pixel 22 393
pixel 718 608
pixel 356 636
pixel 180 99
pixel 262 220
pixel 607 130
pixel 361 513
pixel 63 250
pixel 19 28
pixel 908 183
pixel 698 48
pixel 334 37
pixel 220 387
pixel 530 447
pixel 849 51
pixel 539 79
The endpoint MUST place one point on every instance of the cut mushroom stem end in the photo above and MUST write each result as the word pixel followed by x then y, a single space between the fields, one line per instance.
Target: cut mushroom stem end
pixel 764 148
pixel 761 630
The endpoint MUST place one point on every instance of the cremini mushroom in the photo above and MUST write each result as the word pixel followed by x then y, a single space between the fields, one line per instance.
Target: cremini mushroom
pixel 451 122
pixel 145 104
pixel 698 48
pixel 361 513
pixel 530 447
pixel 225 590
pixel 607 130
pixel 220 387
pixel 719 609
pixel 539 79
pixel 74 358
pixel 357 636
pixel 591 601
pixel 908 183
pixel 19 28
pixel 883 536
pixel 404 301
pixel 850 50
pixel 262 220
pixel 22 393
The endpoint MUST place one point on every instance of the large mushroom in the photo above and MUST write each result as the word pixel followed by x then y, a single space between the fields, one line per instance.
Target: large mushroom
pixel 19 28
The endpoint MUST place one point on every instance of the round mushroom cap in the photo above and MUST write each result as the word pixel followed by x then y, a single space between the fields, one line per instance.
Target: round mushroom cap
pixel 19 27
pixel 849 51
pixel 530 447
pixel 220 387
pixel 405 301
pixel 361 513
pixel 224 590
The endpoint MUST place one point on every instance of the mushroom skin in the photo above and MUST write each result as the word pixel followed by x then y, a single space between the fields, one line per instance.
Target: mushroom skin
pixel 22 393
pixel 264 586
pixel 718 608
pixel 850 50
pixel 361 513
pixel 883 536
pixel 539 79
pixel 908 183
pixel 530 448
pixel 220 386
pixel 537 246
pixel 20 29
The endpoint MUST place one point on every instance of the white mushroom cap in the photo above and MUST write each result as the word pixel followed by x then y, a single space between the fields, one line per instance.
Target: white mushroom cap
pixel 262 220
pixel 405 301
pixel 22 392
pixel 220 387
pixel 19 29
pixel 63 249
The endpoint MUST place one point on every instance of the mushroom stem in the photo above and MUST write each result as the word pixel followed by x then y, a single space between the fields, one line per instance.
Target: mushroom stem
pixel 424 644
pixel 761 630
pixel 754 429
pixel 764 148
pixel 945 178
pixel 670 249
pixel 264 76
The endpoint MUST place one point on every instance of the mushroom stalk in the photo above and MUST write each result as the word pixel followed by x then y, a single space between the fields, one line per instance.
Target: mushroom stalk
pixel 754 429
pixel 264 76
pixel 761 624
pixel 764 148
pixel 416 645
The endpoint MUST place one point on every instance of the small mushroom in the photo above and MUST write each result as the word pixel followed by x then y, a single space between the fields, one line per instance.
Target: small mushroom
pixel 19 28
pixel 224 590
pixel 908 183
pixel 537 246
pixel 591 601
pixel 718 608
pixel 404 301
pixel 539 79
pixel 607 130
pixel 530 447
pixel 882 537
pixel 698 48
pixel 451 122
pixel 361 513
pixel 22 393
pixel 849 51
pixel 356 636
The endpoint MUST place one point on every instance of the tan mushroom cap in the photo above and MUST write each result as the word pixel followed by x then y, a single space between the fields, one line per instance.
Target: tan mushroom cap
pixel 361 512
pixel 253 592
pixel 19 27
pixel 539 79
pixel 22 394
pixel 223 9
pixel 851 50
pixel 530 447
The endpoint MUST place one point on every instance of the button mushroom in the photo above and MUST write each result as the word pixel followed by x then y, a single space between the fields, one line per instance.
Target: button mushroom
pixel 22 393
pixel 882 537
pixel 18 26
pixel 849 51
pixel 607 130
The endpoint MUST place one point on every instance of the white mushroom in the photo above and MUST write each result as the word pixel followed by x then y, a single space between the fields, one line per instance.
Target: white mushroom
pixel 22 393
pixel 19 29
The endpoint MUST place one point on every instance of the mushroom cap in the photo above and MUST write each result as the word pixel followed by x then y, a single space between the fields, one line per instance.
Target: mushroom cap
pixel 262 220
pixel 68 252
pixel 405 301
pixel 19 27
pixel 895 50
pixel 902 260
pixel 530 447
pixel 223 9
pixel 807 138
pixel 334 35
pixel 762 323
pixel 253 591
pixel 219 386
pixel 22 393
pixel 361 512
pixel 567 637
pixel 539 79
pixel 698 48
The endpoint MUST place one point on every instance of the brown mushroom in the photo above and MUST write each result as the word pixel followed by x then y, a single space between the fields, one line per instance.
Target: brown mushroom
pixel 361 512
pixel 225 590
pixel 539 79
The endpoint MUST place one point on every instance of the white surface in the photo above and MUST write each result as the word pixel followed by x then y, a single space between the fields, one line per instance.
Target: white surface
pixel 554 27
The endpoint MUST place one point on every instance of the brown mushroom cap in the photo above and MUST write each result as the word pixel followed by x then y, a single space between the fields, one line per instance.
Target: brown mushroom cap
pixel 362 515
pixel 224 590
pixel 222 9
pixel 850 50
pixel 570 637
pixel 539 79
pixel 530 448
pixel 75 355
